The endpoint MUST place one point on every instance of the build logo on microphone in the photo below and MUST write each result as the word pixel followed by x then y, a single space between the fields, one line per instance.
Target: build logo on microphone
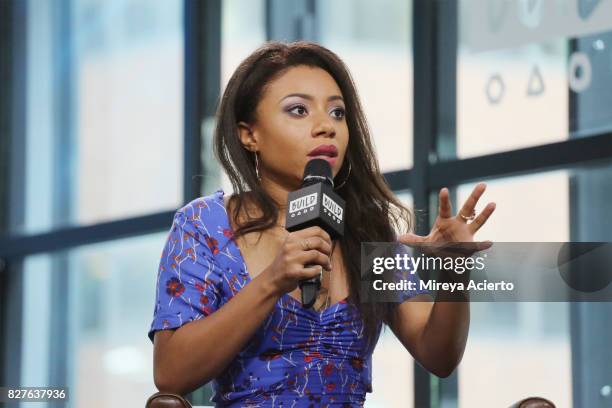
pixel 333 209
pixel 302 204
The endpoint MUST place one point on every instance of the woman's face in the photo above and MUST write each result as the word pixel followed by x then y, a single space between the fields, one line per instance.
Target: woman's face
pixel 299 111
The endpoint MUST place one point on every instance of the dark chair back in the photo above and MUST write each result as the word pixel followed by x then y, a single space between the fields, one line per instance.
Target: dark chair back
pixel 533 402
pixel 167 400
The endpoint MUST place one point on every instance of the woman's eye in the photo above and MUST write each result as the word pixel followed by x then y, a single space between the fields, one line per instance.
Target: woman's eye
pixel 299 109
pixel 340 113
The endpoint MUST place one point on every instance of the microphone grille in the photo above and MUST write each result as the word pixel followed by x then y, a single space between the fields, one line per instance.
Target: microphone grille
pixel 318 170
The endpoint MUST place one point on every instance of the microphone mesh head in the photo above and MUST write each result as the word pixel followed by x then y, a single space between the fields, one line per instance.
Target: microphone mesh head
pixel 316 171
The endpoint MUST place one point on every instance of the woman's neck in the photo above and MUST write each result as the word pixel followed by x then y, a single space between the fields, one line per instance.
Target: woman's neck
pixel 278 192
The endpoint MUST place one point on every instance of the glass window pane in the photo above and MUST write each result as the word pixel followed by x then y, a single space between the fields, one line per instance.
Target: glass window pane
pixel 392 374
pixel 104 111
pixel 405 197
pixel 495 111
pixel 392 365
pixel 374 40
pixel 110 295
pixel 590 64
pixel 523 211
pixel 520 81
pixel 526 344
pixel 243 31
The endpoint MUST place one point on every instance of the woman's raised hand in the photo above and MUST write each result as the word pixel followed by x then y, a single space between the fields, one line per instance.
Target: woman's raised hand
pixel 308 247
pixel 449 229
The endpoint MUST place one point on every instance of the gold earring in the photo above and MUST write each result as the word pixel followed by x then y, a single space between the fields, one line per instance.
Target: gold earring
pixel 346 178
pixel 257 167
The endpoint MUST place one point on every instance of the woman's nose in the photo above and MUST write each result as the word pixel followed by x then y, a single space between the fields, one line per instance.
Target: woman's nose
pixel 324 127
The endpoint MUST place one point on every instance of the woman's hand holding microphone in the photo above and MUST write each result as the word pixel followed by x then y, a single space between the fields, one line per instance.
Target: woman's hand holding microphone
pixel 303 255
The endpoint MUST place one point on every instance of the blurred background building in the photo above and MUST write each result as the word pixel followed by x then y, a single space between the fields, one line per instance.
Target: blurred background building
pixel 106 117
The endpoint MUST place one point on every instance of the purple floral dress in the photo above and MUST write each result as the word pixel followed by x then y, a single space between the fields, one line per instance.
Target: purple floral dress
pixel 297 358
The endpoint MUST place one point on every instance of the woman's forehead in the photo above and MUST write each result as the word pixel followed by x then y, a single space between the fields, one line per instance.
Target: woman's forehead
pixel 303 79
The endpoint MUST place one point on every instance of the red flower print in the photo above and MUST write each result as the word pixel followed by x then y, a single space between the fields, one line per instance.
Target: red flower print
pixel 328 369
pixel 308 357
pixel 190 253
pixel 195 217
pixel 330 387
pixel 357 364
pixel 228 233
pixel 233 284
pixel 212 244
pixel 174 287
pixel 204 299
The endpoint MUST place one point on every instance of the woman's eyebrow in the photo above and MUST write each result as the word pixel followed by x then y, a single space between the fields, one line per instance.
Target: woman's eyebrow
pixel 310 98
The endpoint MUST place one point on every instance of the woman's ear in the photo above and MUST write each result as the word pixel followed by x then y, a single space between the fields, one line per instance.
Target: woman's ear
pixel 247 137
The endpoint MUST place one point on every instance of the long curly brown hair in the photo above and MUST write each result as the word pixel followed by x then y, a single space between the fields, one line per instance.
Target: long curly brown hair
pixel 373 212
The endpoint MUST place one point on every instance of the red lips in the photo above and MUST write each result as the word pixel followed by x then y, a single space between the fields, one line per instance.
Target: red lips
pixel 324 150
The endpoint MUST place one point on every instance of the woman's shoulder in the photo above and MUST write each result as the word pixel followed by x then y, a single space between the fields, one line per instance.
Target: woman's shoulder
pixel 206 218
pixel 208 208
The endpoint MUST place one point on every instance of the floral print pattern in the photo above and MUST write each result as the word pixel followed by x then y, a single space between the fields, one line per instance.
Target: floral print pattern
pixel 297 358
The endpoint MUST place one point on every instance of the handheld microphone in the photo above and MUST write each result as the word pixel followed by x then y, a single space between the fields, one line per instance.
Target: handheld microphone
pixel 315 204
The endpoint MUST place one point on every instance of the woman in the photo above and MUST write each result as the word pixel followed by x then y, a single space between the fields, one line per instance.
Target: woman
pixel 227 304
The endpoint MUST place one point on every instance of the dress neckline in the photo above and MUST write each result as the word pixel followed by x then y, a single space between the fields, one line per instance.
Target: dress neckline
pixel 219 194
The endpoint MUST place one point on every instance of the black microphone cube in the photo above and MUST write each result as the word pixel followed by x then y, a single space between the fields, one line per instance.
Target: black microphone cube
pixel 316 205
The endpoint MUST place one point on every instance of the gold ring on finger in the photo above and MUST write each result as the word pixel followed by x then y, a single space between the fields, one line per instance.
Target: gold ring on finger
pixel 470 218
pixel 306 245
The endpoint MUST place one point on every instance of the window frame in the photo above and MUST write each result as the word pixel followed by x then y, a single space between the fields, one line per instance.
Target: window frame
pixel 434 44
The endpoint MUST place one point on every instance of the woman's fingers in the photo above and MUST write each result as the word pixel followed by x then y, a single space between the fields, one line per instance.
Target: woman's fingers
pixel 482 218
pixel 315 257
pixel 312 271
pixel 470 204
pixel 445 209
pixel 303 255
pixel 318 243
pixel 410 239
pixel 312 232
